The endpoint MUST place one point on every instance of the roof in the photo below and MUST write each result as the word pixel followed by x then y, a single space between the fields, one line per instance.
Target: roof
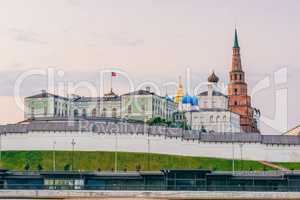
pixel 86 99
pixel 145 92
pixel 210 109
pixel 213 78
pixel 236 41
pixel 45 95
pixel 140 92
pixel 111 96
pixel 214 93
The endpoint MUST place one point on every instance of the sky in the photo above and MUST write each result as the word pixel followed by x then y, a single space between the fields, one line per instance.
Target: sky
pixel 153 41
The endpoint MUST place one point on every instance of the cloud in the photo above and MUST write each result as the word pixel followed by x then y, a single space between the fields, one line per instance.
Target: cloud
pixel 74 2
pixel 25 36
pixel 120 39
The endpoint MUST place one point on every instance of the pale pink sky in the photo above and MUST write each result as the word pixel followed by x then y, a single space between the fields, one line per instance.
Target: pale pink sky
pixel 150 40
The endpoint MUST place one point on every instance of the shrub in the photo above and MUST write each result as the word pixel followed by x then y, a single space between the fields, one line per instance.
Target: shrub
pixel 67 167
pixel 27 167
pixel 39 167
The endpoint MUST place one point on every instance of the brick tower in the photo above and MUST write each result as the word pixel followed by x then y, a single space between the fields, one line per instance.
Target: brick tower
pixel 239 101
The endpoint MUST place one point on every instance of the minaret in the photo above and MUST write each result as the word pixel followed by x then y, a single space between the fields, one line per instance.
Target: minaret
pixel 239 101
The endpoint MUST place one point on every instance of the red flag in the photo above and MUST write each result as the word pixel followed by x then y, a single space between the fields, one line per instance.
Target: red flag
pixel 113 74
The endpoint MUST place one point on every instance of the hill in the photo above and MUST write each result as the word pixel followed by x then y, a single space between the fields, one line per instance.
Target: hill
pixel 17 160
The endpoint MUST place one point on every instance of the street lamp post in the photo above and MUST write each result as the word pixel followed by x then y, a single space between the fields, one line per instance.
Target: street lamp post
pixel 1 150
pixel 242 163
pixel 116 153
pixel 148 143
pixel 53 155
pixel 73 145
pixel 233 152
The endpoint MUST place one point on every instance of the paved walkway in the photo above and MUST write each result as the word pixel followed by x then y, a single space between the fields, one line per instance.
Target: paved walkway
pixel 274 166
pixel 144 195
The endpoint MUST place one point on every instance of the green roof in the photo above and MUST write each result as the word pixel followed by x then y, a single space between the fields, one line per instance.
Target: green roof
pixel 236 41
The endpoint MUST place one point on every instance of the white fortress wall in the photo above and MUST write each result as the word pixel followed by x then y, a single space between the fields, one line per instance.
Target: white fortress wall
pixel 89 141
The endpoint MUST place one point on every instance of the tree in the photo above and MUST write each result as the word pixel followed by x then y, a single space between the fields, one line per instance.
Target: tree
pixel 138 167
pixel 184 125
pixel 158 121
pixel 27 167
pixel 67 167
pixel 39 167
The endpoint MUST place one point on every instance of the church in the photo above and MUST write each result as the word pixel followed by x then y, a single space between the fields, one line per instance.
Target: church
pixel 213 111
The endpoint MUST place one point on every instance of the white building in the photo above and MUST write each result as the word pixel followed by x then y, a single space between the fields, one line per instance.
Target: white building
pixel 212 114
pixel 213 120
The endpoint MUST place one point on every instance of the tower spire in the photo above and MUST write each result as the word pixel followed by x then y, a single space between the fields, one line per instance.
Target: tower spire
pixel 238 100
pixel 236 57
pixel 236 40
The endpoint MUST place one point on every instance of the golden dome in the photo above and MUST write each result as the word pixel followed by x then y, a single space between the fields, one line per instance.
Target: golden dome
pixel 179 91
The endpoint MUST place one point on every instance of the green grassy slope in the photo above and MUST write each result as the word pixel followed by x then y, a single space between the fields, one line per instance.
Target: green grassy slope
pixel 291 166
pixel 16 160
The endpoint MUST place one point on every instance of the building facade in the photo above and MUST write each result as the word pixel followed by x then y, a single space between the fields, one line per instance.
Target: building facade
pixel 141 105
pixel 46 105
pixel 213 120
pixel 110 105
pixel 85 107
pixel 144 105
pixel 239 101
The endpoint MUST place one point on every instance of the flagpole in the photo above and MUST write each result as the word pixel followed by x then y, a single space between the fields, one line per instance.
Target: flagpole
pixel 111 76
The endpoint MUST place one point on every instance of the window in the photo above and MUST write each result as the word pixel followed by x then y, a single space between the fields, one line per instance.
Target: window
pixel 211 118
pixel 235 77
pixel 45 110
pixel 84 112
pixel 240 76
pixel 103 114
pixel 235 91
pixel 143 108
pixel 114 112
pixel 32 111
pixel 129 109
pixel 213 104
pixel 218 119
pixel 94 112
pixel 66 110
pixel 235 103
pixel 64 183
pixel 75 113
